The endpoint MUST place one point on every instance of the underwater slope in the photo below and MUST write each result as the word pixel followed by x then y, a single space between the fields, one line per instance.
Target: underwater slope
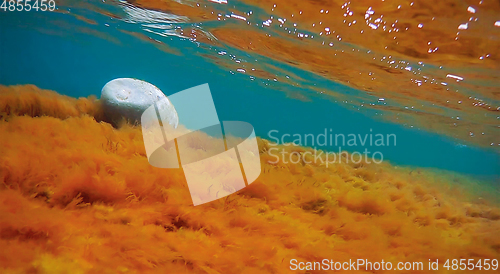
pixel 79 196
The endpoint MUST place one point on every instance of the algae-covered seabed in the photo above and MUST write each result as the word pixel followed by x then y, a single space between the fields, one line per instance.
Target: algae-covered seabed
pixel 79 196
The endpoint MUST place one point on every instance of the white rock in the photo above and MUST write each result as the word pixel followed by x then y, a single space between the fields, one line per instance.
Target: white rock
pixel 128 98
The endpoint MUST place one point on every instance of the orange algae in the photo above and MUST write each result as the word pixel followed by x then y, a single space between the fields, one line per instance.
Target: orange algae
pixel 33 101
pixel 79 196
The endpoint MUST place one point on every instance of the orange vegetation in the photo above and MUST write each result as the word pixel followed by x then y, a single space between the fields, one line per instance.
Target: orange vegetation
pixel 32 101
pixel 79 196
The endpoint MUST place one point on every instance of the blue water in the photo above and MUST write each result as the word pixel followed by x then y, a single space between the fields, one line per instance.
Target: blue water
pixel 75 63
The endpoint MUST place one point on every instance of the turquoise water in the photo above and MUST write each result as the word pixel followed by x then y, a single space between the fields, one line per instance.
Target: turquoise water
pixel 40 49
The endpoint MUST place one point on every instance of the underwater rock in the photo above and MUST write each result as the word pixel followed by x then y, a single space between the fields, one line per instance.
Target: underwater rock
pixel 127 98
